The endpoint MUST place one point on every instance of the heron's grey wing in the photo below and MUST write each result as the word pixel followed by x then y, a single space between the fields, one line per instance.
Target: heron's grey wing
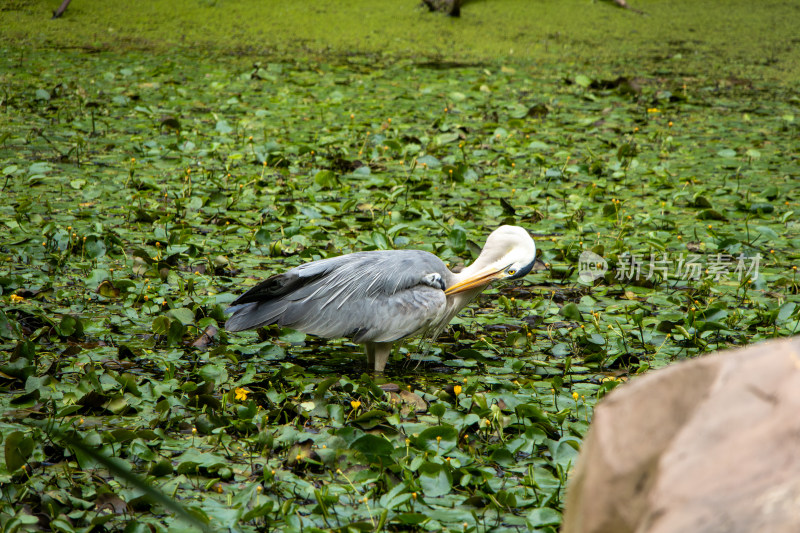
pixel 264 303
pixel 378 296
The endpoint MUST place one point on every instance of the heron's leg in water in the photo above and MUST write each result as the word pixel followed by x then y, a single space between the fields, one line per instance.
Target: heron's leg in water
pixel 378 354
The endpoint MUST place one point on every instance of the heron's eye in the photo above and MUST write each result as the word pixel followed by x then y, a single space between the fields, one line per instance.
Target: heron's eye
pixel 511 271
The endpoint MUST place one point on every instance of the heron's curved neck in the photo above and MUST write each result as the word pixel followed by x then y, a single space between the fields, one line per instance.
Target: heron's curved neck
pixel 480 263
pixel 459 300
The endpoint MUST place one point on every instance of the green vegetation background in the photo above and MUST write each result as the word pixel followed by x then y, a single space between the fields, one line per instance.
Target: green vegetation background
pixel 158 158
pixel 738 37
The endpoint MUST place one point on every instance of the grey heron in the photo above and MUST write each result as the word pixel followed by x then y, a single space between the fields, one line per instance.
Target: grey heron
pixel 379 297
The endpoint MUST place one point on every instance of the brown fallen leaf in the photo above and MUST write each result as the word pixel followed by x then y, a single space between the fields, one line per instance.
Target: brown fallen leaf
pixel 112 502
pixel 205 338
pixel 414 400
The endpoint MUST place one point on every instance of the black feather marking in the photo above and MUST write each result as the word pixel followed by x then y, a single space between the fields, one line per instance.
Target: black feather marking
pixel 275 287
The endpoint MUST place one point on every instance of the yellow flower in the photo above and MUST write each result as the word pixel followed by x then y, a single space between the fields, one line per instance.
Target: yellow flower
pixel 575 396
pixel 653 110
pixel 16 298
pixel 355 404
pixel 457 390
pixel 241 394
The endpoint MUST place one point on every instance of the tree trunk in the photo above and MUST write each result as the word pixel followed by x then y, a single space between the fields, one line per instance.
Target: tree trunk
pixel 60 11
pixel 451 7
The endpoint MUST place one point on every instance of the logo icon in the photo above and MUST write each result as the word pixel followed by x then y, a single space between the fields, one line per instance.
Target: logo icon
pixel 591 266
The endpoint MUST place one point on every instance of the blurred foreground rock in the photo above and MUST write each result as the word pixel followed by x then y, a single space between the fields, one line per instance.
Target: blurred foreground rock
pixel 708 445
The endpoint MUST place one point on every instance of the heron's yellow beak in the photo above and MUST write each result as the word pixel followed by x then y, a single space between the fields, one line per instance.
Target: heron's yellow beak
pixel 480 279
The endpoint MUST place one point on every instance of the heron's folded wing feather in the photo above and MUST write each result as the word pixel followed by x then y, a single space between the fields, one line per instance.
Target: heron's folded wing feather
pixel 385 318
pixel 368 296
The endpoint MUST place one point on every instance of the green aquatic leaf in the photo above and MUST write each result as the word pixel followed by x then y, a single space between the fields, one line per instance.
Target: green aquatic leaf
pixel 435 479
pixel 438 439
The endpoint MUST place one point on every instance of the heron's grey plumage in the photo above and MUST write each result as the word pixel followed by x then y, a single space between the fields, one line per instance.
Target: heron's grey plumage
pixel 379 297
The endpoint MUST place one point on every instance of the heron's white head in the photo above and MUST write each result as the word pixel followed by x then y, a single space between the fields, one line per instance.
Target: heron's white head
pixel 509 253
